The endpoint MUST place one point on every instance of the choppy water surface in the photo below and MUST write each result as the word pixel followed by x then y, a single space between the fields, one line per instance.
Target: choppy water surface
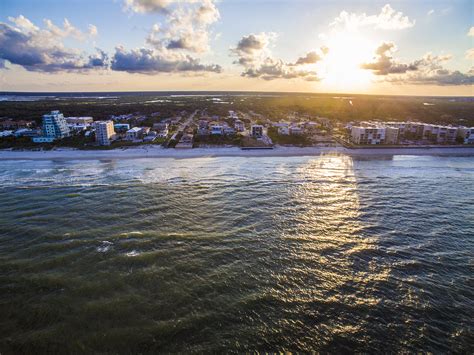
pixel 325 253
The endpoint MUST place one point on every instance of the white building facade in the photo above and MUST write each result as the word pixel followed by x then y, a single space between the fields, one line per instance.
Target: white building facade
pixel 54 127
pixel 368 135
pixel 104 132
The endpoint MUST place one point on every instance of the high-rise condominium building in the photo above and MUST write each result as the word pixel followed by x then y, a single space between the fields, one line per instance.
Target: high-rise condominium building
pixel 104 132
pixel 54 127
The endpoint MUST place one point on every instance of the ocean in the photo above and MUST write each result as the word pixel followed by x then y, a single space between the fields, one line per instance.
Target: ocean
pixel 235 254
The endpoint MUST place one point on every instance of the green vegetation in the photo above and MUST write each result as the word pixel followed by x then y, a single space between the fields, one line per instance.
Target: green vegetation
pixel 276 107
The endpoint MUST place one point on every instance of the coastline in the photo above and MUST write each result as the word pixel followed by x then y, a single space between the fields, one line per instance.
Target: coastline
pixel 160 152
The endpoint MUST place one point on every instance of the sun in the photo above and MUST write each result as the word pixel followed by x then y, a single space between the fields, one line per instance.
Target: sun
pixel 340 68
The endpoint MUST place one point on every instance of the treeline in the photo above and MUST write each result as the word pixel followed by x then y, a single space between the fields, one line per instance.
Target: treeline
pixel 276 107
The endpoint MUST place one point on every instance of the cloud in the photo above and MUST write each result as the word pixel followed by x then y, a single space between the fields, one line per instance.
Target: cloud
pixel 384 63
pixel 23 24
pixel 42 50
pixel 312 57
pixel 171 46
pixel 470 54
pixel 151 61
pixel 146 6
pixel 254 48
pixel 387 19
pixel 92 31
pixel 253 53
pixel 186 27
pixel 430 12
pixel 271 69
pixel 427 70
pixel 470 33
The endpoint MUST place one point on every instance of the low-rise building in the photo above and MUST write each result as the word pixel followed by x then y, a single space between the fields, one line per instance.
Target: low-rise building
pixel 283 128
pixel 121 127
pixel 163 134
pixel 256 131
pixel 217 129
pixel 6 133
pixel 160 126
pixel 77 124
pixel 233 115
pixel 150 137
pixel 239 126
pixel 16 124
pixel 467 134
pixel 229 131
pixel 26 132
pixel 186 141
pixel 134 133
pixel 296 130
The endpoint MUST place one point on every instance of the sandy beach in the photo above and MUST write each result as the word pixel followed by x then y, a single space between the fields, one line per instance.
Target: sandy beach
pixel 160 152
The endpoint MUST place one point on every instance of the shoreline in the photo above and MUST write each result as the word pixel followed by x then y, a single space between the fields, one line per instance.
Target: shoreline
pixel 160 152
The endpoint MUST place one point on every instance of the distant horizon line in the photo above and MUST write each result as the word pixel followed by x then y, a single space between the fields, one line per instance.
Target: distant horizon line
pixel 222 91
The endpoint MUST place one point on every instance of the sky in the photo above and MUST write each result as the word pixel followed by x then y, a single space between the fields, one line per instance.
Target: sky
pixel 370 47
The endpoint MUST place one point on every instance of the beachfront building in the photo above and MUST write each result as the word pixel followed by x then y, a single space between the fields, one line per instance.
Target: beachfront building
pixel 79 123
pixel 368 135
pixel 104 132
pixel 54 127
pixel 408 133
pixel 296 130
pixel 439 134
pixel 391 135
pixel 283 128
pixel 217 129
pixel 186 141
pixel 203 128
pixel 229 131
pixel 467 134
pixel 150 137
pixel 413 130
pixel 256 130
pixel 134 133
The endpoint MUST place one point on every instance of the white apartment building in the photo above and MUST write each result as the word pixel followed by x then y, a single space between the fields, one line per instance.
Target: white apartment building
pixel 439 134
pixel 104 132
pixel 391 135
pixel 54 127
pixel 368 135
